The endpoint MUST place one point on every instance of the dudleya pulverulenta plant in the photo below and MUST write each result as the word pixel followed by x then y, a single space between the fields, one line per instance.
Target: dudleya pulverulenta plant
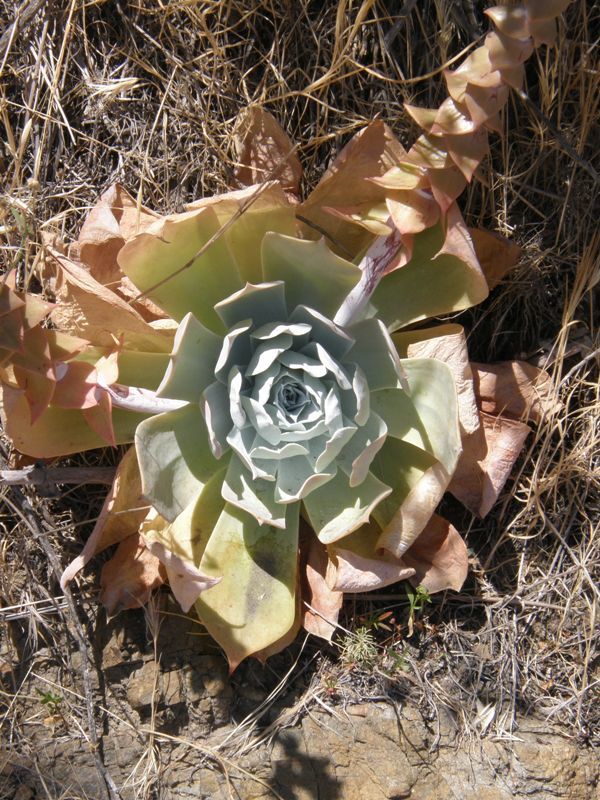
pixel 294 428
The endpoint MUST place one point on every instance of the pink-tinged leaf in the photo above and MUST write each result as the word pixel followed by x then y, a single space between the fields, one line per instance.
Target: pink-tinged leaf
pixel 9 300
pixel 35 356
pixel 512 22
pixel 546 9
pixel 76 387
pixel 438 557
pixel 446 343
pixel 99 417
pixel 452 120
pixel 412 212
pixel 458 243
pixel 484 103
pixel 515 389
pixel 264 151
pixel 122 513
pixel 496 254
pixel 476 70
pixel 424 117
pixel 185 580
pixel 487 461
pixel 12 331
pixel 351 572
pixel 38 390
pixel 467 152
pixel 507 53
pixel 446 185
pixel 321 604
pixel 115 219
pixel 543 31
pixel 36 310
pixel 370 154
pixel 130 577
pixel 429 152
pixel 405 176
pixel 58 431
pixel 91 310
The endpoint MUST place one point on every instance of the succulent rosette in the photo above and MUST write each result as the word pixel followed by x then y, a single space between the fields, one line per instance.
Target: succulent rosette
pixel 294 423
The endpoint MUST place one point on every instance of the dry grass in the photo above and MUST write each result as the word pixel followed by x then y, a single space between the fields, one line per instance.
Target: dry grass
pixel 147 94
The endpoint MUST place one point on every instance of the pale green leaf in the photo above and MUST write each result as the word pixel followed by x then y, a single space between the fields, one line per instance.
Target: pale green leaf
pixel 336 509
pixel 192 363
pixel 254 604
pixel 163 263
pixel 313 275
pixel 433 282
pixel 175 459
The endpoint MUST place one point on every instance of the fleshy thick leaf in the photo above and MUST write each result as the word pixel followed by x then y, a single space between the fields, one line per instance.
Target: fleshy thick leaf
pixel 446 343
pixel 442 276
pixel 245 216
pixel 336 509
pixel 183 265
pixel 175 459
pixel 192 364
pixel 59 431
pixel 314 276
pixel 254 604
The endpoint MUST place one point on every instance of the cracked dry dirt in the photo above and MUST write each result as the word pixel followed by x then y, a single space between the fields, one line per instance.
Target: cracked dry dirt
pixel 170 733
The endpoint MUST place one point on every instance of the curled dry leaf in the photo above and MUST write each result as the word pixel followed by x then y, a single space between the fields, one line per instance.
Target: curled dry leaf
pixel 130 577
pixel 515 389
pixel 265 152
pixel 369 154
pixel 115 219
pixel 438 557
pixel 496 254
pixel 321 603
pixel 486 462
pixel 123 511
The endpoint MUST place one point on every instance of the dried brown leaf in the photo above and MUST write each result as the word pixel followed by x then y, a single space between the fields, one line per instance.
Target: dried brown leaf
pixel 486 462
pixel 438 557
pixel 264 151
pixel 515 389
pixel 130 577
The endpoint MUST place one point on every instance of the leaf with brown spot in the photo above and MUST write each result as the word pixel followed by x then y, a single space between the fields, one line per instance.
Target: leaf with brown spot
pixel 486 462
pixel 130 577
pixel 264 151
pixel 438 557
